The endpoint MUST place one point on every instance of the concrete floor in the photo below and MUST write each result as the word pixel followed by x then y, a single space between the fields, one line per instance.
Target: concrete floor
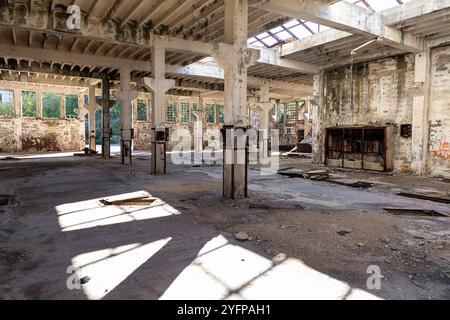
pixel 182 246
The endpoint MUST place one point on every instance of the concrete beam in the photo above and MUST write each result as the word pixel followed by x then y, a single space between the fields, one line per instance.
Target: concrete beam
pixel 54 23
pixel 346 17
pixel 215 71
pixel 72 58
pixel 209 70
pixel 412 10
pixel 270 57
pixel 312 41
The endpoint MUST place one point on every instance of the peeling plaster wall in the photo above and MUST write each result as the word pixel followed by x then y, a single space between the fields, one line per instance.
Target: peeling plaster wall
pixel 142 135
pixel 382 96
pixel 41 135
pixel 9 141
pixel 439 152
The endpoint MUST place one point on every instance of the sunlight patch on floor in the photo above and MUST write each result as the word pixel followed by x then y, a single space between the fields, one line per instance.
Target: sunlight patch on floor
pixel 108 268
pixel 92 213
pixel 226 271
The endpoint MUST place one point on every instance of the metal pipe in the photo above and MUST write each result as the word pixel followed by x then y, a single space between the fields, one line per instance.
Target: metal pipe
pixel 354 51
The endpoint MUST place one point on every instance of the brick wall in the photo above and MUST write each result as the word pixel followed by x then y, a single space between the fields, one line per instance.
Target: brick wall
pixel 40 135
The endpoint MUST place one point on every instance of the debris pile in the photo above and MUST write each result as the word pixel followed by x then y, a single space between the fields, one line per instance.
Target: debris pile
pixel 317 175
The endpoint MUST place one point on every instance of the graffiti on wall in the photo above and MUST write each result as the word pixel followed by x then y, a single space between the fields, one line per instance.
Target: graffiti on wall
pixel 443 152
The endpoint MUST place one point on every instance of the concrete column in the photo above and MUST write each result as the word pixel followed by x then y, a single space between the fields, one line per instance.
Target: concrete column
pixel 178 113
pixel 134 120
pixel 18 119
pixel 216 113
pixel 421 107
pixel 198 125
pixel 106 123
pixel 91 107
pixel 126 96
pixel 39 103
pixel 319 130
pixel 235 57
pixel 158 85
pixel 266 106
pixel 308 108
pixel 17 105
pixel 63 105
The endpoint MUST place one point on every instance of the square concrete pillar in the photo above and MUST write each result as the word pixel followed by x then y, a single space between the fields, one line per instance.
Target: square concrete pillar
pixel 106 123
pixel 126 96
pixel 235 167
pixel 158 86
pixel 235 58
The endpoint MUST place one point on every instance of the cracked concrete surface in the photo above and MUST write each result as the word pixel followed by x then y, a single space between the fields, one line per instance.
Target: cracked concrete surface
pixel 182 247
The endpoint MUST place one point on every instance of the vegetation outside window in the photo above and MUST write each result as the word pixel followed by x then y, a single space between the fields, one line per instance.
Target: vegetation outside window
pixel 142 110
pixel 7 103
pixel 71 106
pixel 115 120
pixel 185 112
pixel 210 116
pixel 171 112
pixel 29 104
pixel 51 105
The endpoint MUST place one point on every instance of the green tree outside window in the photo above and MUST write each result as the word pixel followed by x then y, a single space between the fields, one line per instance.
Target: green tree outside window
pixel 142 110
pixel 29 104
pixel 51 105
pixel 210 113
pixel 71 106
pixel 116 124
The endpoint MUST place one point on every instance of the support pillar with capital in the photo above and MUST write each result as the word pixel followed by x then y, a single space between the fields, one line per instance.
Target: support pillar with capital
pixel 126 96
pixel 235 58
pixel 158 85
pixel 105 102
pixel 92 107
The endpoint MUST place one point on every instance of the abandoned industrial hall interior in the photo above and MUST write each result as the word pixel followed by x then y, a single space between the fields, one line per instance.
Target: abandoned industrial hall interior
pixel 224 150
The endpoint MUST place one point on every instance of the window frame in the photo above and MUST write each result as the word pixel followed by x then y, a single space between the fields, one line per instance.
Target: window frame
pixel 21 104
pixel 183 113
pixel 43 106
pixel 147 104
pixel 67 116
pixel 13 109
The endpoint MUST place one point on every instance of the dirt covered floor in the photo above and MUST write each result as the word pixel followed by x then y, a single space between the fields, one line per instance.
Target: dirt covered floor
pixel 68 232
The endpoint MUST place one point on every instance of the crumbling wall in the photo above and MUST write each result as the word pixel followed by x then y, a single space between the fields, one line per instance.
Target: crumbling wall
pixel 41 135
pixel 9 141
pixel 439 152
pixel 381 97
pixel 142 135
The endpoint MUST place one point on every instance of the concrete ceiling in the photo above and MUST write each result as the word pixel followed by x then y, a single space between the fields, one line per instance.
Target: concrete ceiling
pixel 199 20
